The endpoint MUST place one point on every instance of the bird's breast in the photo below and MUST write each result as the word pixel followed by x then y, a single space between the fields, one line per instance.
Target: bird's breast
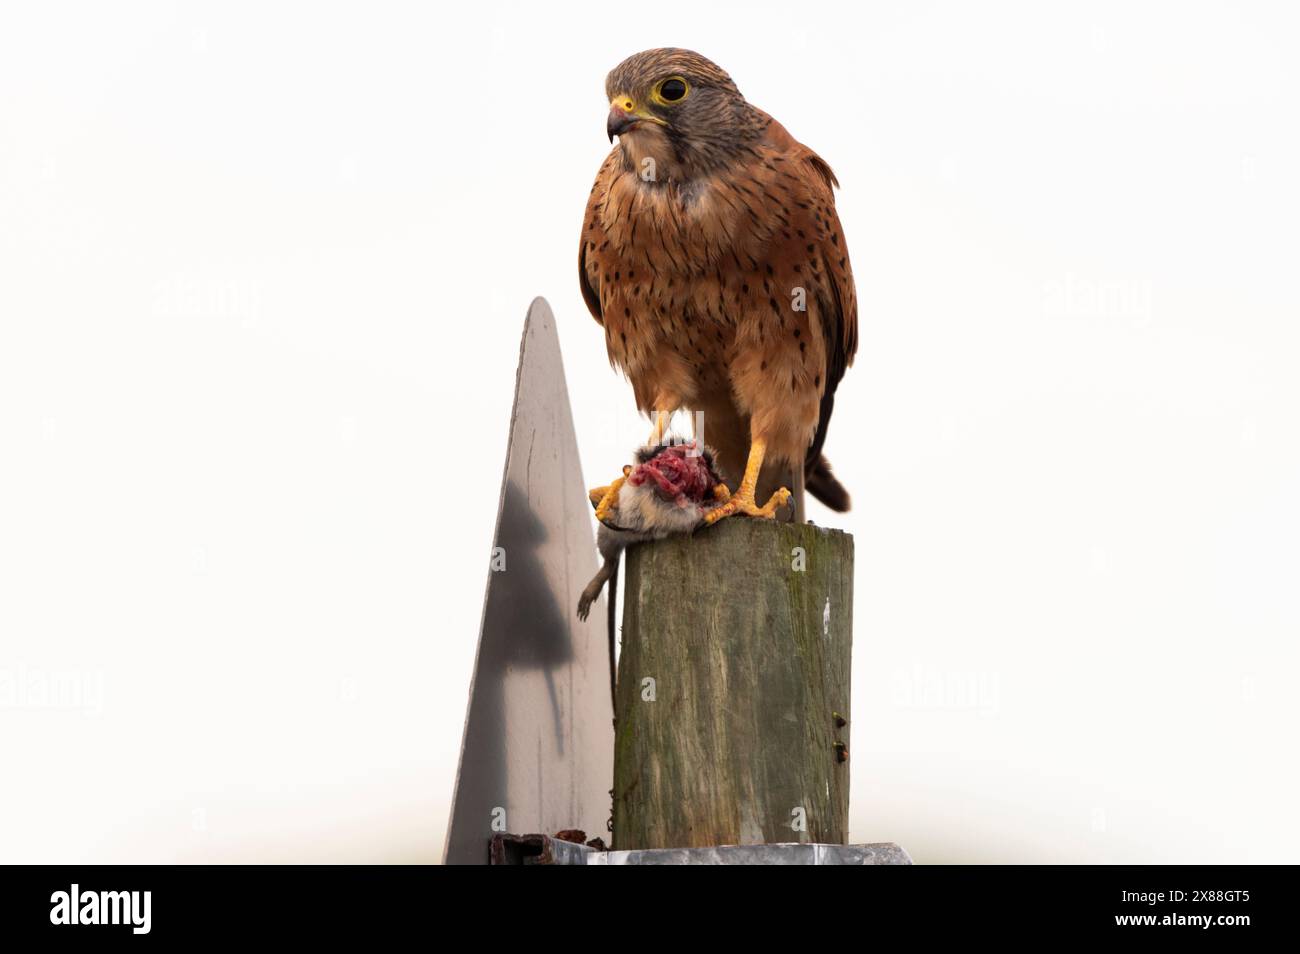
pixel 683 230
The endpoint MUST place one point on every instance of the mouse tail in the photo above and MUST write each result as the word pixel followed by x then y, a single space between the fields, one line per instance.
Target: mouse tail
pixel 611 608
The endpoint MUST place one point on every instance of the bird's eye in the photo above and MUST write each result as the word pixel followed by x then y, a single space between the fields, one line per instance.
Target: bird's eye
pixel 671 90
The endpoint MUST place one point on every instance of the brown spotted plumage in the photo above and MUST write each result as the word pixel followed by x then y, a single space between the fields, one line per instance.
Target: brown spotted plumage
pixel 713 257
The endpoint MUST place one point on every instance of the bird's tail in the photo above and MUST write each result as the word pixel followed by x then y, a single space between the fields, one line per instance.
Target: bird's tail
pixel 822 484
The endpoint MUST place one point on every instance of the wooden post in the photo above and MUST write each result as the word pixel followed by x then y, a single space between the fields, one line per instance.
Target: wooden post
pixel 733 688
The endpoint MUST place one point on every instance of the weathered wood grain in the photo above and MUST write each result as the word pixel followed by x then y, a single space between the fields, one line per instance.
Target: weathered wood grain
pixel 734 672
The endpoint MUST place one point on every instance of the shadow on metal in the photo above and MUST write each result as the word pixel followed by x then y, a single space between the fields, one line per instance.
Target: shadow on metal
pixel 537 752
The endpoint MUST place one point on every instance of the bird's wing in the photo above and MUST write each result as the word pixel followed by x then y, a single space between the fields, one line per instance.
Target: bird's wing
pixel 840 304
pixel 821 240
pixel 593 236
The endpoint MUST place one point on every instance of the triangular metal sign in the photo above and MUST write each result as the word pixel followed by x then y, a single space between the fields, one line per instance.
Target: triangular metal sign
pixel 538 747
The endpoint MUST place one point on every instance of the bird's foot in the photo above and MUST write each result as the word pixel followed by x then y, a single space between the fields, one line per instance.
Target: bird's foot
pixel 743 502
pixel 604 499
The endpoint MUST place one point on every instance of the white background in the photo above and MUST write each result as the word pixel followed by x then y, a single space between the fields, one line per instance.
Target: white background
pixel 263 269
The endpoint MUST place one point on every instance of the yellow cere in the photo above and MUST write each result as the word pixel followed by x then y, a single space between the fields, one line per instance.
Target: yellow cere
pixel 628 105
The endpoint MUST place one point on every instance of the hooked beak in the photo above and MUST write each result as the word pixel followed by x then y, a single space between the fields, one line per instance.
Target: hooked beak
pixel 624 116
pixel 621 118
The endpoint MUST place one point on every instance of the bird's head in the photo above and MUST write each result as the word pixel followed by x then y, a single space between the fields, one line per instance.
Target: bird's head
pixel 677 115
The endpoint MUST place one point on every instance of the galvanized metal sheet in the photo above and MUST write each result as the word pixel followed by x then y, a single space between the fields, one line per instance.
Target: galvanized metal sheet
pixel 538 746
pixel 541 849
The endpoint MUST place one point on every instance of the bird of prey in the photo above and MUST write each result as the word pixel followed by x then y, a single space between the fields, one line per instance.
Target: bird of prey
pixel 712 255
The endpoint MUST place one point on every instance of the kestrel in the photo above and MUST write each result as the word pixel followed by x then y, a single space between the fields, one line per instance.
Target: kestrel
pixel 712 255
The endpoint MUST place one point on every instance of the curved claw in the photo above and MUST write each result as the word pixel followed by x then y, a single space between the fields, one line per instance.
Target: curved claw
pixel 744 503
pixel 608 499
pixel 604 498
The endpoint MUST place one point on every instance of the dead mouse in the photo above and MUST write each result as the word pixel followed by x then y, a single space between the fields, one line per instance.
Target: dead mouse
pixel 669 490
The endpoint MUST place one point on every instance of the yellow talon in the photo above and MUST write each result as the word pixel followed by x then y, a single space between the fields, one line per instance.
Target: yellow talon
pixel 745 503
pixel 604 498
